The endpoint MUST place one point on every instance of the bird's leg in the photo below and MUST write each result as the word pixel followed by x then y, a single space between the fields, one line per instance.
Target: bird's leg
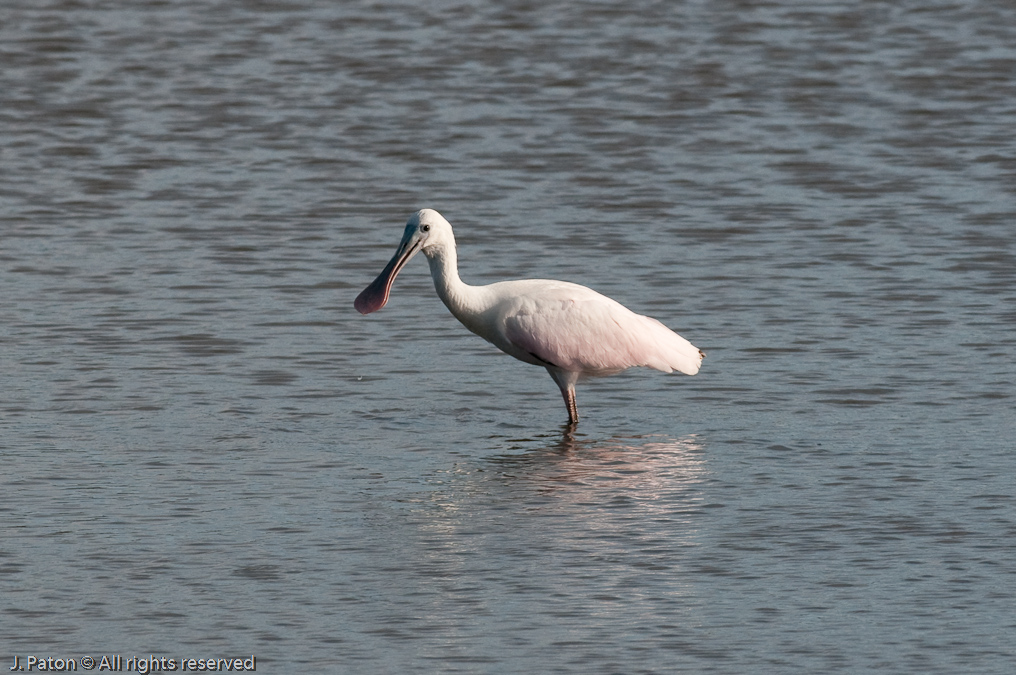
pixel 569 401
pixel 566 380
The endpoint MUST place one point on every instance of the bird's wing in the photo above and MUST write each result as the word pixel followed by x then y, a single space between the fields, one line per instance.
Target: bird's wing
pixel 577 329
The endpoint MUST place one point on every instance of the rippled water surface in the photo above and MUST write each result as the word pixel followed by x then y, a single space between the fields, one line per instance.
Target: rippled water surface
pixel 207 452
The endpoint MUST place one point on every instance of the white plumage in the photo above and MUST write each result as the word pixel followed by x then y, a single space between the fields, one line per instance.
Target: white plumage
pixel 571 330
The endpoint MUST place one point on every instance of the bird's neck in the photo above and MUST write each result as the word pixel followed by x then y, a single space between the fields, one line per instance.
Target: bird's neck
pixel 460 298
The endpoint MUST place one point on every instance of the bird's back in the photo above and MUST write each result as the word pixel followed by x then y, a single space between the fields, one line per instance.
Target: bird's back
pixel 577 329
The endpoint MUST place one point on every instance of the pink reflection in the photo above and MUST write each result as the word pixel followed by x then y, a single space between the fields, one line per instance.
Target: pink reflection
pixel 650 474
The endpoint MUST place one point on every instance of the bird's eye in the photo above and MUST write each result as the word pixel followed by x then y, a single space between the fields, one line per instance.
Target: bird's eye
pixel 425 228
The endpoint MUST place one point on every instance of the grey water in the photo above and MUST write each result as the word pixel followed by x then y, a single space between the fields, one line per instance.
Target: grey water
pixel 206 452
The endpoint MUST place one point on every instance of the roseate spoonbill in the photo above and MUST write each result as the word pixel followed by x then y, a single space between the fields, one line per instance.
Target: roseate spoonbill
pixel 570 330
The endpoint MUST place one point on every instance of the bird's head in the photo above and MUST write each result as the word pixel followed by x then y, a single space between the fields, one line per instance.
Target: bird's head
pixel 426 231
pixel 431 229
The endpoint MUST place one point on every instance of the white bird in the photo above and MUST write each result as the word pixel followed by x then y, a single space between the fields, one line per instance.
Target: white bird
pixel 572 331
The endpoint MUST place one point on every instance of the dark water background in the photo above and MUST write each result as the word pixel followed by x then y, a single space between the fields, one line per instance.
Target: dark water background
pixel 207 452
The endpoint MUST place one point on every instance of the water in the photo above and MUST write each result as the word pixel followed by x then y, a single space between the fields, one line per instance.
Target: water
pixel 207 452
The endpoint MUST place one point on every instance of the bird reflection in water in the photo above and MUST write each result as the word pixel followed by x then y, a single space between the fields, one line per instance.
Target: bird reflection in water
pixel 620 508
pixel 648 471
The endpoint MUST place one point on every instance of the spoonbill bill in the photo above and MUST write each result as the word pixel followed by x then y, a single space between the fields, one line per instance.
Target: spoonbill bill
pixel 572 331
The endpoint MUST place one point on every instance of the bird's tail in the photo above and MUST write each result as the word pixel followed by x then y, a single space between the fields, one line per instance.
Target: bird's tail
pixel 673 351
